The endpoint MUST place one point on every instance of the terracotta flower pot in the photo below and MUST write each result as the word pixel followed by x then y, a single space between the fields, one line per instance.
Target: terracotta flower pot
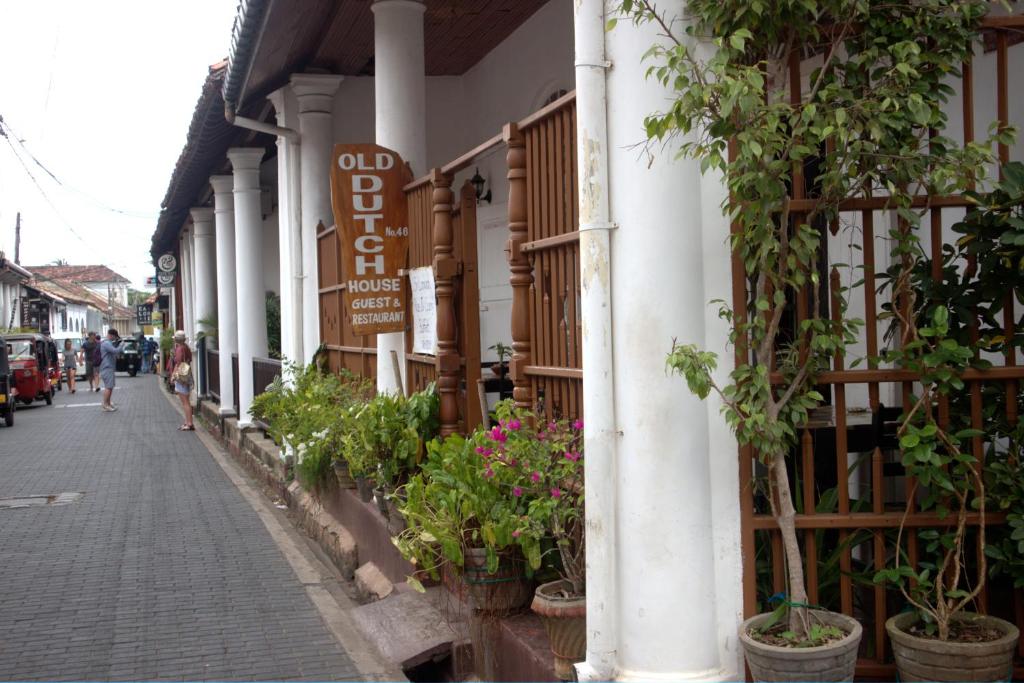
pixel 505 591
pixel 565 620
pixel 342 474
pixel 928 659
pixel 832 662
pixel 365 489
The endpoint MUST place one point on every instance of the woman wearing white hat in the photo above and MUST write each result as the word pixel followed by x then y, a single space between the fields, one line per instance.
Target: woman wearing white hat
pixel 181 375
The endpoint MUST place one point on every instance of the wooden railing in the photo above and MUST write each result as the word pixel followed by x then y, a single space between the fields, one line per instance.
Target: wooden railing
pixel 545 261
pixel 264 372
pixel 850 485
pixel 345 350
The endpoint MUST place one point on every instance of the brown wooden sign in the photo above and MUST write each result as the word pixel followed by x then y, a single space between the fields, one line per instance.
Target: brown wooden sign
pixel 373 226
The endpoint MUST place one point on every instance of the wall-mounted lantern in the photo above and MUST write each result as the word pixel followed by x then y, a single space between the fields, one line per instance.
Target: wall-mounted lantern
pixel 478 185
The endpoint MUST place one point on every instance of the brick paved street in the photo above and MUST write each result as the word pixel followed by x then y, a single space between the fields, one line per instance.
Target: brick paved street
pixel 161 570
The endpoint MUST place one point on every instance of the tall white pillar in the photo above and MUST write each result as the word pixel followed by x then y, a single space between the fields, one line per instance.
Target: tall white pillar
pixel 251 297
pixel 186 282
pixel 400 88
pixel 289 234
pixel 673 463
pixel 315 93
pixel 205 266
pixel 227 304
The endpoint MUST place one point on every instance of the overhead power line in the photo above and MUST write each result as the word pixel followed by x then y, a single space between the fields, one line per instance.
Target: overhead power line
pixel 10 133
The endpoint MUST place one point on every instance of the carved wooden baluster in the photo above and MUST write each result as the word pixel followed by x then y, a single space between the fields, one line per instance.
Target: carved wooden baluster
pixel 519 264
pixel 445 268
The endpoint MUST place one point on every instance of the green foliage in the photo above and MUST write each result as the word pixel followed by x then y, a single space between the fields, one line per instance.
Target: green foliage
pixel 305 416
pixel 208 327
pixel 934 334
pixel 273 308
pixel 507 489
pixel 384 437
pixel 872 119
pixel 166 342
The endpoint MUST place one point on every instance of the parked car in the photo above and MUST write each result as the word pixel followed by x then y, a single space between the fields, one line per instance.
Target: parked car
pixel 130 358
pixel 7 391
pixel 29 357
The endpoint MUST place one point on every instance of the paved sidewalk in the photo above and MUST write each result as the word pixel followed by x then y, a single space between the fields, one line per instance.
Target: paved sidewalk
pixel 161 569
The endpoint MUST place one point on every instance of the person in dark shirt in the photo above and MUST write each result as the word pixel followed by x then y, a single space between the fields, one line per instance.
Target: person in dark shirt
pixel 89 347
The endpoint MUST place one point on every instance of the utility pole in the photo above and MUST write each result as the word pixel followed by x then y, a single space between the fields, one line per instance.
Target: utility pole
pixel 17 239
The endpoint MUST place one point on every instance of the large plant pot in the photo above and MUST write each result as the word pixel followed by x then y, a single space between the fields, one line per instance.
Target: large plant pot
pixel 926 659
pixel 365 489
pixel 342 474
pixel 565 620
pixel 505 591
pixel 832 662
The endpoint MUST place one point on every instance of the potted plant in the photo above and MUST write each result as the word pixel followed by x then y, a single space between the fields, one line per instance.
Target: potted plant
pixel 875 94
pixel 553 453
pixel 466 512
pixel 939 339
pixel 504 354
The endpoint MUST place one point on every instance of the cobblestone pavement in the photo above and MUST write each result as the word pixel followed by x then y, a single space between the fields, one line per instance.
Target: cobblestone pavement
pixel 161 569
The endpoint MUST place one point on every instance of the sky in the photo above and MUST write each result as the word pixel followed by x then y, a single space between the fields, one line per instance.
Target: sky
pixel 101 94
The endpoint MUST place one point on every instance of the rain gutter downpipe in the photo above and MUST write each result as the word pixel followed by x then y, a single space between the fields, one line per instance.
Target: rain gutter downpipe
pixel 600 428
pixel 259 126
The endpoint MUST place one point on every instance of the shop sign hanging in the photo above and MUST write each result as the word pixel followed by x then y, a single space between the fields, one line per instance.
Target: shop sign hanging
pixel 373 230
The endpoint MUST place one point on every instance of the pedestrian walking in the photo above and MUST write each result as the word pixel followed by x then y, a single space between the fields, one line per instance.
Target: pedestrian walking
pixel 109 348
pixel 181 375
pixel 70 364
pixel 89 348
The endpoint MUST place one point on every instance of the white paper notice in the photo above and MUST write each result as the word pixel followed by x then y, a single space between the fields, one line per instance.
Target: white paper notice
pixel 424 310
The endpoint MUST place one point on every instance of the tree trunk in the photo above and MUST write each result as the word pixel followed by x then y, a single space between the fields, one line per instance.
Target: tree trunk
pixel 786 519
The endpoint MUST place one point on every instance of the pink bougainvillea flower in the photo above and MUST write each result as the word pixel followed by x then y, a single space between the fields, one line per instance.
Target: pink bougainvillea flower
pixel 577 425
pixel 541 436
pixel 498 435
pixel 556 493
pixel 515 534
pixel 571 455
pixel 484 451
pixel 535 477
pixel 552 426
pixel 513 462
pixel 514 424
pixel 489 472
pixel 517 491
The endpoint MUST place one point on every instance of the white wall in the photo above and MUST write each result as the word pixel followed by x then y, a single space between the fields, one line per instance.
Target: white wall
pixel 120 290
pixel 271 245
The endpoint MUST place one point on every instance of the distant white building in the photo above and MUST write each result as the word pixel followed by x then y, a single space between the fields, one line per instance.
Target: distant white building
pixel 99 279
pixel 12 280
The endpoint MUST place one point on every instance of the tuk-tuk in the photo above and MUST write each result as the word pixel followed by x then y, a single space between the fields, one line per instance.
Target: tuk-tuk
pixel 29 357
pixel 130 358
pixel 7 392
pixel 53 364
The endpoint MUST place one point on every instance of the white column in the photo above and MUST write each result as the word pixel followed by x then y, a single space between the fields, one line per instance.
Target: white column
pixel 668 549
pixel 205 266
pixel 289 232
pixel 401 121
pixel 227 305
pixel 252 311
pixel 316 131
pixel 186 282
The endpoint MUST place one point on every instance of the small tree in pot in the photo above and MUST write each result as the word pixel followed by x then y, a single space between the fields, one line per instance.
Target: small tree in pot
pixel 942 326
pixel 865 118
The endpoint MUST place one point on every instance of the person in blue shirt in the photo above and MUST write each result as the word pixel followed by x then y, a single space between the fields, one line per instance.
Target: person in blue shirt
pixel 147 348
pixel 110 348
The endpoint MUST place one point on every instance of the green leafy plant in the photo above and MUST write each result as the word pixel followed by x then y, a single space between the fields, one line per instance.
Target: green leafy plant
pixel 207 328
pixel 507 489
pixel 943 325
pixel 385 436
pixel 273 309
pixel 306 414
pixel 867 119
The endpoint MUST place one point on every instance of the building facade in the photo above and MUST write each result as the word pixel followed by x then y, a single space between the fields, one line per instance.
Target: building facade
pixel 587 257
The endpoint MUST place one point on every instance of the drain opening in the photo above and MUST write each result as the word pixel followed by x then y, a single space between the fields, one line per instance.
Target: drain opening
pixel 52 499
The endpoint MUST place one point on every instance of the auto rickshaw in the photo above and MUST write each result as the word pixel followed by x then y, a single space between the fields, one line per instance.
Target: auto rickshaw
pixel 29 357
pixel 7 391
